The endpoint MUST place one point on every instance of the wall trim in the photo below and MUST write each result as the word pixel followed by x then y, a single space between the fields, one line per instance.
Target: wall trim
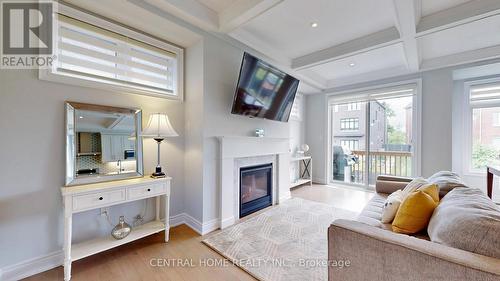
pixel 210 226
pixel 52 260
pixel 193 223
pixel 318 180
pixel 177 220
pixel 32 266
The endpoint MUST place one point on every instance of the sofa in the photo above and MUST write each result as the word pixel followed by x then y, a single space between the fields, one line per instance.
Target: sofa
pixel 373 251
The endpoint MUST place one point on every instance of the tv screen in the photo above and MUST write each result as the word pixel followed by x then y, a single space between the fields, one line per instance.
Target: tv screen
pixel 264 91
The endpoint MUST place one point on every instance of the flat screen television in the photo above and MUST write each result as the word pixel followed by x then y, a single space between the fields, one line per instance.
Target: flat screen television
pixel 264 91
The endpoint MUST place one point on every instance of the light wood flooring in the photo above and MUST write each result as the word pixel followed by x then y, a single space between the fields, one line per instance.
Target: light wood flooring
pixel 133 261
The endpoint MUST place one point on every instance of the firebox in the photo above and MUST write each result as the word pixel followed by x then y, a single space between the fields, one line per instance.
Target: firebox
pixel 256 183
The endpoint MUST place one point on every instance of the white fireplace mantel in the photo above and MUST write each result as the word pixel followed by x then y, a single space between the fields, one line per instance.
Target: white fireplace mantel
pixel 233 148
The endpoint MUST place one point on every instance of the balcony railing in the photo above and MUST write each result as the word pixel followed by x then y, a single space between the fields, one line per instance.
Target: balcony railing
pixel 396 163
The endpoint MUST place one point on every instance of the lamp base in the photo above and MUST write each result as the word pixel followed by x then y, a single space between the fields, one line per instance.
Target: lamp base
pixel 158 173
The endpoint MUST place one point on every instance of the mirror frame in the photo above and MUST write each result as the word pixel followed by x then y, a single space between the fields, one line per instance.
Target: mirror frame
pixel 71 152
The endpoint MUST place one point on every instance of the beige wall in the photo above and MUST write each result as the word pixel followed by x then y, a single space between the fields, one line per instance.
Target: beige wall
pixel 32 170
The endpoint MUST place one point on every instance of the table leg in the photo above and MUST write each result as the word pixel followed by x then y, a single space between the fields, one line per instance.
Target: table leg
pixel 68 221
pixel 311 172
pixel 489 184
pixel 167 218
pixel 158 208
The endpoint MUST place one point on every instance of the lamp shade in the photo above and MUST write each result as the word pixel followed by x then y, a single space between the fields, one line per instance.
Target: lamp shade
pixel 159 127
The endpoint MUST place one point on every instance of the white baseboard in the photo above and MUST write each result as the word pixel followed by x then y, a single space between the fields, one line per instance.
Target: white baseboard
pixel 193 223
pixel 210 226
pixel 31 267
pixel 227 222
pixel 319 180
pixel 40 264
pixel 177 220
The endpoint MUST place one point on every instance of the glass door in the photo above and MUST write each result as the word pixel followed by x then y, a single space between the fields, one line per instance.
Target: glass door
pixel 391 139
pixel 348 139
pixel 372 137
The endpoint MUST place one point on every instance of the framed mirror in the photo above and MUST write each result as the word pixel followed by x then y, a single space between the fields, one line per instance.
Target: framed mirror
pixel 103 143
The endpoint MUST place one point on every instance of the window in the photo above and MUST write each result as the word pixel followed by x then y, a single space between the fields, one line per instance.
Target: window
pixel 484 103
pixel 496 119
pixel 295 114
pixel 349 124
pixel 97 53
pixel 353 106
pixel 351 144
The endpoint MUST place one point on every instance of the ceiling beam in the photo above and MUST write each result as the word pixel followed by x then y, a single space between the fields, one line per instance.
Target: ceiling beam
pixel 243 11
pixel 373 41
pixel 487 53
pixel 191 11
pixel 407 14
pixel 459 15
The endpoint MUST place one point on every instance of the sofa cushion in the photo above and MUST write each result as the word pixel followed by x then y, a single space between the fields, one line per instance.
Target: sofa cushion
pixel 468 220
pixel 446 181
pixel 416 210
pixel 372 212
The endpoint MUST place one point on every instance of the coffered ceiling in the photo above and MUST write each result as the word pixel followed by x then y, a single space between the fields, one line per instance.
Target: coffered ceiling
pixel 330 43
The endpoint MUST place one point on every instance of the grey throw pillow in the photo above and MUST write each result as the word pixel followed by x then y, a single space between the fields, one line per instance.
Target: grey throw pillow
pixel 466 219
pixel 446 181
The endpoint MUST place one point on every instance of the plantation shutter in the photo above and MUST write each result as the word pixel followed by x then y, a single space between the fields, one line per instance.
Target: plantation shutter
pixel 88 51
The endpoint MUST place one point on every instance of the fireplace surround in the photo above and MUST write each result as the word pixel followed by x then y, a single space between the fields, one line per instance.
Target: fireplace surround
pixel 238 152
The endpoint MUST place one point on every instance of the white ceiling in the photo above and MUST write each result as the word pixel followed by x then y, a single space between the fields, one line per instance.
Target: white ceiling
pixel 383 38
pixel 92 121
pixel 217 5
pixel 475 35
pixel 433 6
pixel 287 27
pixel 363 63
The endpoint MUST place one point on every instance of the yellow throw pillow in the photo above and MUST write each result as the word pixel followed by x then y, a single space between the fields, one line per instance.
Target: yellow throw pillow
pixel 416 210
pixel 432 190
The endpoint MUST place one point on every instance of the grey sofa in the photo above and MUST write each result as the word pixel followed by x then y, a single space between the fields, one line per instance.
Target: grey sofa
pixel 376 253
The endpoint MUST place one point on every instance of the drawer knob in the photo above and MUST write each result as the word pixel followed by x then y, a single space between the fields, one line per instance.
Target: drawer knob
pixel 149 189
pixel 100 198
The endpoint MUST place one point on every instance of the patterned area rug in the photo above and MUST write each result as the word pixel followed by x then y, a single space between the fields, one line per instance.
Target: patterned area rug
pixel 286 242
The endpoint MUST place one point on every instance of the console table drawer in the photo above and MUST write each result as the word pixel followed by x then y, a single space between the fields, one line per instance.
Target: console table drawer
pixel 146 191
pixel 82 202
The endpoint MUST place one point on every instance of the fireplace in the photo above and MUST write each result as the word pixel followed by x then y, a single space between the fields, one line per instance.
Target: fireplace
pixel 256 183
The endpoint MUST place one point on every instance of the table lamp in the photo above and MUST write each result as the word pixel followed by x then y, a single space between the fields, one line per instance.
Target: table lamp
pixel 158 128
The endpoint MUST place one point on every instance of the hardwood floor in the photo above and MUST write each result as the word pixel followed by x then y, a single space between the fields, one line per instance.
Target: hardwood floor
pixel 133 261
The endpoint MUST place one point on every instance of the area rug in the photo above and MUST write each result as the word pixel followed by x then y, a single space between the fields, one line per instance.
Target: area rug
pixel 286 242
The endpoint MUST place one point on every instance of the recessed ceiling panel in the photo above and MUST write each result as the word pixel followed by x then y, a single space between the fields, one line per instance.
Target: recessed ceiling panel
pixel 434 6
pixel 288 27
pixel 217 5
pixel 475 35
pixel 388 57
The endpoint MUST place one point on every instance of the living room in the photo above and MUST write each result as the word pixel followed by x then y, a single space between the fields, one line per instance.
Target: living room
pixel 250 140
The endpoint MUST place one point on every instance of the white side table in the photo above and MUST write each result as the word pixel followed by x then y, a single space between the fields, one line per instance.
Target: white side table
pixel 305 170
pixel 82 198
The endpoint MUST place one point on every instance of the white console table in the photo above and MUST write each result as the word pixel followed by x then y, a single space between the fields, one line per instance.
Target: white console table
pixel 305 170
pixel 99 195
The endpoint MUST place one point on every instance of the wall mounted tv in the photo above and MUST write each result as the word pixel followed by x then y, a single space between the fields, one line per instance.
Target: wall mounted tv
pixel 264 91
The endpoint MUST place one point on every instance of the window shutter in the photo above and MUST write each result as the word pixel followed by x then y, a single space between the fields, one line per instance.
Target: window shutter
pixel 485 95
pixel 97 54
